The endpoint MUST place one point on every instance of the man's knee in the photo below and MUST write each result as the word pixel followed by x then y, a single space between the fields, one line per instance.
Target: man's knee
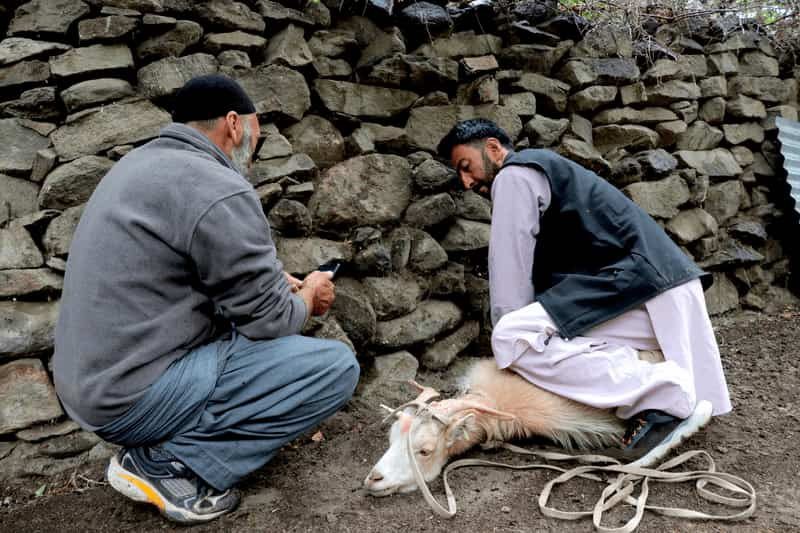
pixel 343 363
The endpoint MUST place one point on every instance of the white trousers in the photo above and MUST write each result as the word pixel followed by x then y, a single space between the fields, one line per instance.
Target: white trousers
pixel 602 368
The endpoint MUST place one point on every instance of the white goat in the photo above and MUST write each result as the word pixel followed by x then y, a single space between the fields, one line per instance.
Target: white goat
pixel 497 405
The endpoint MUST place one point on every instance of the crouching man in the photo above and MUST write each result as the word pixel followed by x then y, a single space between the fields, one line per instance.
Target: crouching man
pixel 178 331
pixel 581 280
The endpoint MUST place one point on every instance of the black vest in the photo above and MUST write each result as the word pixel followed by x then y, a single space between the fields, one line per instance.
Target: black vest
pixel 598 254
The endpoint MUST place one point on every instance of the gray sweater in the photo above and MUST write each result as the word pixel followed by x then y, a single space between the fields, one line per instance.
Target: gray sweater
pixel 171 250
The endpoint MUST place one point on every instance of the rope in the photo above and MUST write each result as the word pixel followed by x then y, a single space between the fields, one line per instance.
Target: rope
pixel 619 489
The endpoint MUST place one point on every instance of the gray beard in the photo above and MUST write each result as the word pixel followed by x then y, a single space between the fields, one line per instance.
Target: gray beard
pixel 242 154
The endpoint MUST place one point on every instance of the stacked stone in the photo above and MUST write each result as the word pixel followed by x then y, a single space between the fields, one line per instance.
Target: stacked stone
pixel 352 108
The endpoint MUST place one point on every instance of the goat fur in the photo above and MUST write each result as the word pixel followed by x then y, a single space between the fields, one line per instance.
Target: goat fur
pixel 534 411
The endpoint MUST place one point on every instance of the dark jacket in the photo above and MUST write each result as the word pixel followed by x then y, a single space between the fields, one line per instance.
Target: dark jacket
pixel 597 254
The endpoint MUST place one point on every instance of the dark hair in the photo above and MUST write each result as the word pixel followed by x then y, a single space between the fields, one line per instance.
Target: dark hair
pixel 468 131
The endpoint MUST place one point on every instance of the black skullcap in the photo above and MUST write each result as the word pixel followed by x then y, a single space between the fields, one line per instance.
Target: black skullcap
pixel 210 96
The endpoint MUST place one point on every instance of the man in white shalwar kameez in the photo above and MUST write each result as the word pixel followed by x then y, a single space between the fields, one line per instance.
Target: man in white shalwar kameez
pixel 611 284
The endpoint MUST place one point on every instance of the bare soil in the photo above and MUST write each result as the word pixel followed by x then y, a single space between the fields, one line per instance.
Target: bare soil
pixel 316 485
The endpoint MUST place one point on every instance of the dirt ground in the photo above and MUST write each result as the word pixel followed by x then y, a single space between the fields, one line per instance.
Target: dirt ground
pixel 316 486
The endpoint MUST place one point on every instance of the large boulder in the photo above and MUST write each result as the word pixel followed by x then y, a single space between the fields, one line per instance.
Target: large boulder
pixel 716 163
pixel 172 42
pixel 20 197
pixel 28 328
pixel 25 281
pixel 278 92
pixel 428 124
pixel 117 124
pixel 24 74
pixel 362 191
pixel 288 47
pixel 26 395
pixel 463 44
pixel 363 100
pixel 659 198
pixel 14 49
pixel 17 249
pixel 318 138
pixel 392 296
pixel 94 92
pixel 46 17
pixel 230 15
pixel 303 255
pixel 165 76
pixel 71 184
pixel 95 60
pixel 430 319
pixel 19 146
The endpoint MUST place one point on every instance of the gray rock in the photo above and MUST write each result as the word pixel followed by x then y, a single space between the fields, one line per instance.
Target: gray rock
pixel 603 41
pixel 300 191
pixel 745 132
pixel 136 7
pixel 327 327
pixel 483 90
pixel 158 23
pixel 68 445
pixel 332 68
pixel 463 44
pixel 430 319
pixel 319 14
pixel 716 163
pixel 382 385
pixel 24 74
pixel 731 254
pixel 332 43
pixel 669 131
pixel 59 232
pixel 533 57
pixel 663 70
pixel 374 260
pixel 766 89
pixel 657 162
pixel 414 73
pixel 318 138
pixel 722 296
pixel 38 104
pixel 551 94
pixel 173 42
pixel 466 235
pixel 275 144
pixel 268 193
pixel 118 124
pixel 277 92
pixel 699 136
pixel 290 217
pixel 26 395
pixel 288 47
pixel 230 15
pixel 428 124
pixel 166 76
pixel 783 111
pixel 749 231
pixel 431 175
pixel 106 29
pixel 686 110
pixel 636 116
pixel 28 328
pixel 235 59
pixel 430 210
pixel 364 190
pixel 606 71
pixel 745 107
pixel 724 199
pixel 714 86
pixel 14 49
pixel 422 21
pixel 46 17
pixel 18 197
pixel 352 309
pixel 690 225
pixel 299 166
pixel 672 91
pixel 592 97
pixel 523 104
pixel 448 281
pixel 382 46
pixel 392 296
pixel 93 92
pixel 22 282
pixel 370 137
pixel 713 110
pixel 17 249
pixel 235 40
pixel 758 64
pixel 43 163
pixel 443 352
pixel 473 206
pixel 723 63
pixel 46 431
pixel 425 253
pixel 278 15
pixel 95 60
pixel 71 184
pixel 303 255
pixel 743 155
pixel 543 131
pixel 629 136
pixel 584 154
pixel 363 100
pixel 660 198
pixel 19 146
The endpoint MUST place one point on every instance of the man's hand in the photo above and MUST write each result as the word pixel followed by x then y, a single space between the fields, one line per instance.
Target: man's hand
pixel 294 283
pixel 319 287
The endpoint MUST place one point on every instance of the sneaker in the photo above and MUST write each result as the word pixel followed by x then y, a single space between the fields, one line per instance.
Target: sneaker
pixel 651 435
pixel 179 494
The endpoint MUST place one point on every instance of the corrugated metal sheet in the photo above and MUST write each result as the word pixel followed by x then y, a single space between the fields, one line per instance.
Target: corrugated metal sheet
pixel 789 136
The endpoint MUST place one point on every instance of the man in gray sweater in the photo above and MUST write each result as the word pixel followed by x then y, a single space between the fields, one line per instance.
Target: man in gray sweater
pixel 178 332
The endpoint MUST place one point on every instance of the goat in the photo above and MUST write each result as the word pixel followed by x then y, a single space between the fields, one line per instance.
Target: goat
pixel 497 405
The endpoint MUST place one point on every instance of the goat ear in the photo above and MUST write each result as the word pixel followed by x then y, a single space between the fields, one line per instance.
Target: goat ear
pixel 457 430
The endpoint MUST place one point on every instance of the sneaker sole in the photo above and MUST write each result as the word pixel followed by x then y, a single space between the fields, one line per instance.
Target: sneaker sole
pixel 138 489
pixel 699 418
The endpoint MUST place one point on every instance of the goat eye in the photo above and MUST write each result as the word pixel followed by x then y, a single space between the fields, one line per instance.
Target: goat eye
pixel 423 452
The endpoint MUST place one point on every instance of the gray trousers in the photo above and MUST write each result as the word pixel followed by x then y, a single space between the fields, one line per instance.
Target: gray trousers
pixel 226 408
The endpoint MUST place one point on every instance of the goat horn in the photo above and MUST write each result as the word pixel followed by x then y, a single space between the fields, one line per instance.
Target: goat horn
pixel 488 410
pixel 425 393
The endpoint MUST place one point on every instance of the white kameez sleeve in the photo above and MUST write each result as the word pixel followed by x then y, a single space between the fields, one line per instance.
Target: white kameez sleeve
pixel 520 195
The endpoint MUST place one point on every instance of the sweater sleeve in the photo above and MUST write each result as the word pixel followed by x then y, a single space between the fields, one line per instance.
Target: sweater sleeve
pixel 520 196
pixel 237 264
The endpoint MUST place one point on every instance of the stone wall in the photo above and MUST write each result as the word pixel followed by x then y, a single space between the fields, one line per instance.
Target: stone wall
pixel 353 99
